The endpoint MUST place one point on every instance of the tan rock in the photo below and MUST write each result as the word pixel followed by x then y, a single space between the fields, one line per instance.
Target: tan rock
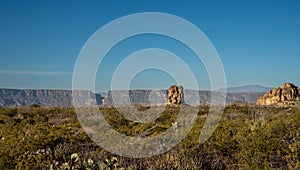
pixel 175 95
pixel 287 94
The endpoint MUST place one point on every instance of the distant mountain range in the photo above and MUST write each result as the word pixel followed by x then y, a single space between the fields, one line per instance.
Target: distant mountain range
pixel 43 97
pixel 63 98
pixel 248 88
pixel 194 97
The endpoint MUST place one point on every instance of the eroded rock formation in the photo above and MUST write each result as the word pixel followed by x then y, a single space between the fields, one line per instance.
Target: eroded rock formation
pixel 287 95
pixel 175 95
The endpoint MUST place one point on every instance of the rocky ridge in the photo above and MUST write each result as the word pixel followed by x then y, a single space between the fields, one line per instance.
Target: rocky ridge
pixel 63 98
pixel 44 97
pixel 157 97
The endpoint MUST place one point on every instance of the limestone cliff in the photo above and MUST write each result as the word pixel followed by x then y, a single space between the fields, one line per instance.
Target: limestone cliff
pixel 157 97
pixel 45 97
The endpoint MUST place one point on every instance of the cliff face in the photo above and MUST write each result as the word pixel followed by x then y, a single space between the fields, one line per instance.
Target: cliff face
pixel 125 97
pixel 63 98
pixel 289 94
pixel 49 98
pixel 191 97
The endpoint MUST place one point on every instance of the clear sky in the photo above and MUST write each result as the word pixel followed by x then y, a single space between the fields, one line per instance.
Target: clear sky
pixel 257 41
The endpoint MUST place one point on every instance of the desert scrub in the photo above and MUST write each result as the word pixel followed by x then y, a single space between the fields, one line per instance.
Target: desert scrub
pixel 247 137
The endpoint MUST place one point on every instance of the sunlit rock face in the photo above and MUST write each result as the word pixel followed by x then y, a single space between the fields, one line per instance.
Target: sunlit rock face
pixel 175 95
pixel 287 95
pixel 289 92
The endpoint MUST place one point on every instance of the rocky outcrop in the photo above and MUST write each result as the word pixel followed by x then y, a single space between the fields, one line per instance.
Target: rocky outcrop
pixel 287 95
pixel 175 95
pixel 271 97
pixel 289 92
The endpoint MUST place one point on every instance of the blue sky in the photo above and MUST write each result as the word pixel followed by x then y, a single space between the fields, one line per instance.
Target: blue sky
pixel 257 41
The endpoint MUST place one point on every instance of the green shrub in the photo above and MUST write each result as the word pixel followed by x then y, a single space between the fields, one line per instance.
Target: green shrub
pixel 247 137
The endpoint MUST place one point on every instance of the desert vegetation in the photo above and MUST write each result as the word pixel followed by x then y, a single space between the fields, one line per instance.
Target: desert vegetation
pixel 247 137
